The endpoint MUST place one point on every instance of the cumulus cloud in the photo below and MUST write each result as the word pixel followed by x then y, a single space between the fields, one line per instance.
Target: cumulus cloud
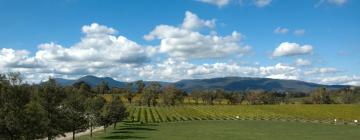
pixel 99 49
pixel 291 49
pixel 192 21
pixel 280 30
pixel 10 58
pixel 98 45
pixel 183 43
pixel 280 71
pixel 219 3
pixel 302 62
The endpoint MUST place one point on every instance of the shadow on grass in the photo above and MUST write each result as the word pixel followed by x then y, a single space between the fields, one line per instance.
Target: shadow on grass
pixel 129 130
pixel 139 124
pixel 137 129
pixel 122 132
pixel 123 137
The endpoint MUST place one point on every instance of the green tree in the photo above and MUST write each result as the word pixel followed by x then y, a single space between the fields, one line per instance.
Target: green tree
pixel 74 110
pixel 102 88
pixel 51 97
pixel 35 120
pixel 93 111
pixel 113 112
pixel 140 86
pixel 196 95
pixel 172 95
pixel 151 93
pixel 321 96
pixel 234 98
pixel 129 95
pixel 13 101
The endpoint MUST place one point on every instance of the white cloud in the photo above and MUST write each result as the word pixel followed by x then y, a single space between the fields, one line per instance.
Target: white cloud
pixel 98 45
pixel 302 62
pixel 299 32
pixel 339 80
pixel 280 30
pixel 262 3
pixel 219 3
pixel 174 70
pixel 193 22
pixel 291 49
pixel 280 71
pixel 98 51
pixel 96 30
pixel 10 58
pixel 321 71
pixel 182 43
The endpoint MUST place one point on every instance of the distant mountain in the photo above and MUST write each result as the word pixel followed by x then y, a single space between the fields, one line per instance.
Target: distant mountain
pixel 93 81
pixel 226 83
pixel 246 83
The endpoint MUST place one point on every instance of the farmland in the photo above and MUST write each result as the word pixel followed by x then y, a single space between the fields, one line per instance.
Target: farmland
pixel 306 113
pixel 237 122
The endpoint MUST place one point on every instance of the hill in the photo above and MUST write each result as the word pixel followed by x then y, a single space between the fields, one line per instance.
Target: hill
pixel 226 83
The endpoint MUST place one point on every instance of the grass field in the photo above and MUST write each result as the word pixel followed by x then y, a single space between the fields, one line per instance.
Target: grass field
pixel 238 122
pixel 307 113
pixel 230 130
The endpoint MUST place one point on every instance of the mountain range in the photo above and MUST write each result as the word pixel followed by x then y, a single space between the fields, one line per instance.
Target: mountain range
pixel 226 83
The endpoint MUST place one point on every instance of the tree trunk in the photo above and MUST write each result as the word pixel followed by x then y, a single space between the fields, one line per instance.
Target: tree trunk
pixel 104 128
pixel 73 137
pixel 114 125
pixel 91 130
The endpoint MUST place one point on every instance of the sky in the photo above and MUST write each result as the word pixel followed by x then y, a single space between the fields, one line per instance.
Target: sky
pixel 309 40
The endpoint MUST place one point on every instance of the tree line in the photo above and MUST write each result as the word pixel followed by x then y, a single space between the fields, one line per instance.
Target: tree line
pixel 153 94
pixel 48 110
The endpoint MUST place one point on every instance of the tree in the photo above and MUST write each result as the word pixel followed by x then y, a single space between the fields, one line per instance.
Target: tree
pixel 234 98
pixel 139 91
pixel 151 93
pixel 321 96
pixel 113 112
pixel 35 120
pixel 196 95
pixel 93 111
pixel 128 92
pixel 254 97
pixel 209 96
pixel 82 85
pixel 13 101
pixel 14 78
pixel 172 95
pixel 219 95
pixel 51 97
pixel 74 111
pixel 102 88
pixel 140 86
pixel 347 96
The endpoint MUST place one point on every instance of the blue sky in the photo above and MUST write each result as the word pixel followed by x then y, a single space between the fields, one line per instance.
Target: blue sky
pixel 44 38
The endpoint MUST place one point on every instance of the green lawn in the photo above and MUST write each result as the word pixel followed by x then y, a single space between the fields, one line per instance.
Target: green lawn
pixel 230 130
